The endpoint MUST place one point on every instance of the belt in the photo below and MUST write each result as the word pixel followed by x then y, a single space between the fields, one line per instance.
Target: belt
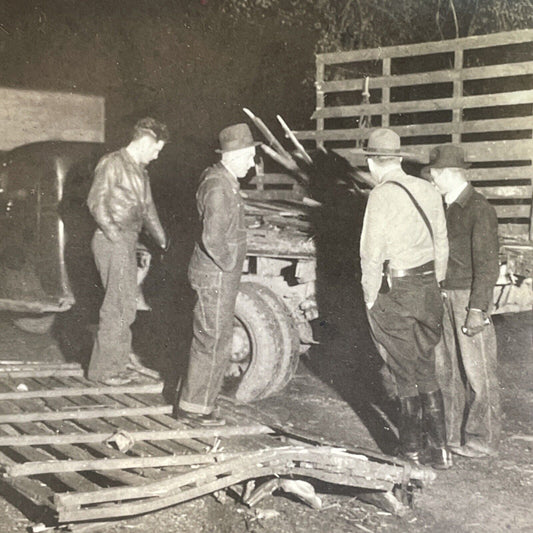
pixel 421 270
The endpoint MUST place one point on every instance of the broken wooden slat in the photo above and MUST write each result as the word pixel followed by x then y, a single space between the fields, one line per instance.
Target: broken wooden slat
pixel 45 467
pixel 262 457
pixel 296 457
pixel 145 505
pixel 208 479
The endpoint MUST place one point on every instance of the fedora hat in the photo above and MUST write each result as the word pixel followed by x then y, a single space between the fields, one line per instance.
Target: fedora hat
pixel 236 137
pixel 383 142
pixel 447 156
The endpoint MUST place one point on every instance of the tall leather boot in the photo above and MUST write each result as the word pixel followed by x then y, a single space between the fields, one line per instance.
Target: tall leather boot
pixel 435 425
pixel 410 428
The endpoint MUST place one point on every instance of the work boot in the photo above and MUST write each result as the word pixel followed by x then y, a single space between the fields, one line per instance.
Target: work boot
pixel 410 428
pixel 207 420
pixel 435 426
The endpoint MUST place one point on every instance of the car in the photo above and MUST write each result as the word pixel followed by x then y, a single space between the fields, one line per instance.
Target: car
pixel 46 263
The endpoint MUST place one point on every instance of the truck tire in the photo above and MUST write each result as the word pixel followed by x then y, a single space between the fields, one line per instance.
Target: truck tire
pixel 265 352
pixel 290 355
pixel 37 324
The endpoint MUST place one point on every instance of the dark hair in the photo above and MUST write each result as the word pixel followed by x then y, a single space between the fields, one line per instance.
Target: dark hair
pixel 151 126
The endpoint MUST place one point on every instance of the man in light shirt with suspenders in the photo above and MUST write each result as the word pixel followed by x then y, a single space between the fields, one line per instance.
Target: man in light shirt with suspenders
pixel 404 242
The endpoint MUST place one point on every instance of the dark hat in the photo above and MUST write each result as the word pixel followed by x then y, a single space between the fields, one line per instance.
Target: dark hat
pixel 383 142
pixel 236 137
pixel 153 127
pixel 447 156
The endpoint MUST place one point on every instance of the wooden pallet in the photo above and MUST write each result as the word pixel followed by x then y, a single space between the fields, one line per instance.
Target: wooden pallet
pixel 86 452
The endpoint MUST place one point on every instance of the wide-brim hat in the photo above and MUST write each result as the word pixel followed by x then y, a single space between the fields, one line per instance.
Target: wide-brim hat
pixel 446 156
pixel 383 142
pixel 236 137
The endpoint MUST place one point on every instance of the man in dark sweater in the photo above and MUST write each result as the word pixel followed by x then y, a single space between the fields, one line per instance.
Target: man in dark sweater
pixel 469 340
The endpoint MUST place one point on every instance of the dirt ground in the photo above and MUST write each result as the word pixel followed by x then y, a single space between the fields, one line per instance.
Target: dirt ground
pixel 336 393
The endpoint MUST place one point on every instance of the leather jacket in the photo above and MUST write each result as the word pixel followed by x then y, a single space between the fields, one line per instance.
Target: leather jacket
pixel 120 198
pixel 221 247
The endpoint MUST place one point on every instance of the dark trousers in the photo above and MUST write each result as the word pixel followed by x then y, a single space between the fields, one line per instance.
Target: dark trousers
pixel 407 322
pixel 210 353
pixel 117 265
pixel 472 399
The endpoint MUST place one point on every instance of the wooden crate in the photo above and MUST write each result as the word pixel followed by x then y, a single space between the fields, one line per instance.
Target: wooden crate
pixel 477 91
pixel 80 452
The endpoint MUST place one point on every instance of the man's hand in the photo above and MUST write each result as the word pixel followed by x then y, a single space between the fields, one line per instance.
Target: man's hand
pixel 476 320
pixel 369 305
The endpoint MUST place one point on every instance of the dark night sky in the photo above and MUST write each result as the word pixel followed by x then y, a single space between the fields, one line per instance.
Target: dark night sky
pixel 171 59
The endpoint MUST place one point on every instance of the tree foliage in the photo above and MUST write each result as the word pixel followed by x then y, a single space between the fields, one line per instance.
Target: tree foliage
pixel 349 24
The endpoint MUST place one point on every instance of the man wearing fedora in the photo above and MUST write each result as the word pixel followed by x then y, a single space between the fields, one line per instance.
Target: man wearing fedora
pixel 214 273
pixel 404 239
pixel 472 402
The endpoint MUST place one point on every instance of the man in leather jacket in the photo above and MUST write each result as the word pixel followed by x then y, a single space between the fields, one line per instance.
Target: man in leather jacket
pixel 215 272
pixel 120 201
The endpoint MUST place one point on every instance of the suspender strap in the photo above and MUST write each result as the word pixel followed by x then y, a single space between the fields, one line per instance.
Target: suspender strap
pixel 417 205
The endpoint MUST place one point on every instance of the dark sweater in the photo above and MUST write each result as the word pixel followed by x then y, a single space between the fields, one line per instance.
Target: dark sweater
pixel 473 238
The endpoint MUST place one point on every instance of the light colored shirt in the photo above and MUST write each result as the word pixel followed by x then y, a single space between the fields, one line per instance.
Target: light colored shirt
pixel 394 230
pixel 450 197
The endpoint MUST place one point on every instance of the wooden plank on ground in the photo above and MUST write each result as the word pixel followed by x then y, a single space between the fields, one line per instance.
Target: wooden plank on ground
pixel 81 413
pixel 41 373
pixel 155 388
pixel 45 467
pixel 135 424
pixel 70 480
pixel 12 366
pixel 104 450
pixel 152 422
pixel 76 453
pixel 86 438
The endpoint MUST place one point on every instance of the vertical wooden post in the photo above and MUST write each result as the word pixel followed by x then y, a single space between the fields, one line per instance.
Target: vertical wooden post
pixel 385 92
pixel 320 100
